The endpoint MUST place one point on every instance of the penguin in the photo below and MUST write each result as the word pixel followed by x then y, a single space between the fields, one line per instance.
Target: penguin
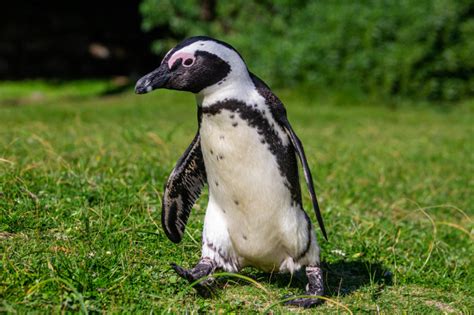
pixel 246 151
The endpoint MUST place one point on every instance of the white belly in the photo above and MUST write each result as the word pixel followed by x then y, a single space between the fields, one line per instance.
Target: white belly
pixel 249 191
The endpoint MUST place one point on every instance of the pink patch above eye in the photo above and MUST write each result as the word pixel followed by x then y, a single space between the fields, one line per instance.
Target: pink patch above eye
pixel 184 56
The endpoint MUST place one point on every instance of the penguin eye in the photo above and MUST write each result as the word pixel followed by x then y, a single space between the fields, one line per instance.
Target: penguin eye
pixel 188 62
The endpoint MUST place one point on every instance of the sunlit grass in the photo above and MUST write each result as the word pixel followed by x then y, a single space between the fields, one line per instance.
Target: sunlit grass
pixel 81 181
pixel 34 91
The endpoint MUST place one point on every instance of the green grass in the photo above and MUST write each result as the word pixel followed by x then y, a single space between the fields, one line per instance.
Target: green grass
pixel 81 181
pixel 31 91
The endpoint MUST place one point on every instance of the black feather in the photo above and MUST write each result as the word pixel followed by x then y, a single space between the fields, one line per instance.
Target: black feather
pixel 182 190
pixel 279 114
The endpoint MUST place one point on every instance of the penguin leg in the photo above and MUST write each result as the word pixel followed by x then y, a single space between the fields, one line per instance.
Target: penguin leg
pixel 204 267
pixel 315 287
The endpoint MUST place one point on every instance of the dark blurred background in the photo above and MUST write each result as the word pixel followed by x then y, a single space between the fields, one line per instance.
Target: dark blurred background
pixel 73 39
pixel 412 49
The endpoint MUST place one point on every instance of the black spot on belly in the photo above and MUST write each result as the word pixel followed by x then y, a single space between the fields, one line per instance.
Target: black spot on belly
pixel 221 137
pixel 262 141
pixel 232 116
pixel 212 152
pixel 223 210
pixel 285 154
pixel 244 236
pixel 234 124
pixel 217 184
pixel 236 202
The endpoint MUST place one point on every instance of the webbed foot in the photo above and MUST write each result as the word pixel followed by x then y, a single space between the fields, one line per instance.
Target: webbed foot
pixel 314 288
pixel 204 268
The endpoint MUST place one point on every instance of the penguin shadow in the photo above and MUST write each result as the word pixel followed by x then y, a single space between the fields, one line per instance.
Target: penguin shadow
pixel 341 278
pixel 345 277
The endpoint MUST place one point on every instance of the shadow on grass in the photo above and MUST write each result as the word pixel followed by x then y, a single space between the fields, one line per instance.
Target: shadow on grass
pixel 341 278
pixel 344 277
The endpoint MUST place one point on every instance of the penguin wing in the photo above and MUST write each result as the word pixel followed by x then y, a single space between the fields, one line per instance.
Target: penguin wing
pixel 307 172
pixel 182 190
pixel 279 113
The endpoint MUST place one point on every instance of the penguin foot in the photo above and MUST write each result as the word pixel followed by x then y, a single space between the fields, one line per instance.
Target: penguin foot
pixel 204 268
pixel 304 302
pixel 314 288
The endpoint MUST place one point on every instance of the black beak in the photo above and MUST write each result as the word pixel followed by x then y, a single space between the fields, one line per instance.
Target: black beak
pixel 153 80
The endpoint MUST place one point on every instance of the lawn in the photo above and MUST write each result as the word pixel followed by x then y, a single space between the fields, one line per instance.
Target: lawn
pixel 81 180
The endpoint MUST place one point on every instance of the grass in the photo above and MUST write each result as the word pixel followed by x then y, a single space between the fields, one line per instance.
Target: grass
pixel 81 181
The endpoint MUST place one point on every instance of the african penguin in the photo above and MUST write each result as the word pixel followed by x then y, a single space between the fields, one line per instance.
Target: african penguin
pixel 246 151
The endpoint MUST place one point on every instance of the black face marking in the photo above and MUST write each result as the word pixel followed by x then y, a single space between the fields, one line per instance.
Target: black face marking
pixel 208 69
pixel 232 116
pixel 176 64
pixel 285 155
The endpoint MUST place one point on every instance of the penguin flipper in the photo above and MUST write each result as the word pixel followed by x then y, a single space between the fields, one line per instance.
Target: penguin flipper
pixel 279 113
pixel 306 171
pixel 182 190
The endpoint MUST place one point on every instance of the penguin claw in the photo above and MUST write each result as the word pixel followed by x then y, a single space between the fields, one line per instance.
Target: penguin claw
pixel 183 273
pixel 203 288
pixel 314 289
pixel 303 302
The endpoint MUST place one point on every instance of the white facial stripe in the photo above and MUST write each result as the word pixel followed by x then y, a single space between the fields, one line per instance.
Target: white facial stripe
pixel 236 63
pixel 166 55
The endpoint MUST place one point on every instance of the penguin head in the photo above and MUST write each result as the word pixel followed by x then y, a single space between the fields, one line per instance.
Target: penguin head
pixel 195 65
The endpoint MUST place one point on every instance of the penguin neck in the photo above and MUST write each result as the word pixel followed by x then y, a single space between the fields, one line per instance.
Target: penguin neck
pixel 236 85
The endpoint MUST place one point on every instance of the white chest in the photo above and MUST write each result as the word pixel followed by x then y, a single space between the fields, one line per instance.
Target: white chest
pixel 245 181
pixel 240 167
